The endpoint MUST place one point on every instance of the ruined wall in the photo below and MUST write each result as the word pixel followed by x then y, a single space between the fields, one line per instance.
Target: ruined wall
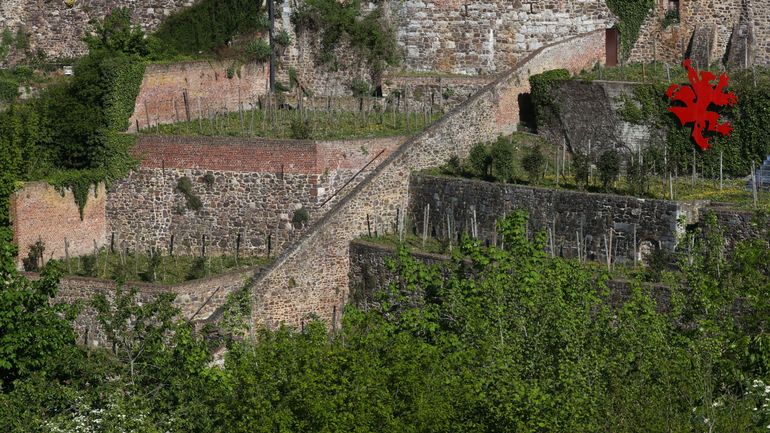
pixel 173 92
pixel 40 212
pixel 257 186
pixel 311 277
pixel 58 30
pixel 577 222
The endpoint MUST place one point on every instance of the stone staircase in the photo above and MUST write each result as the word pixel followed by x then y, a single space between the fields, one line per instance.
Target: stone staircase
pixel 761 176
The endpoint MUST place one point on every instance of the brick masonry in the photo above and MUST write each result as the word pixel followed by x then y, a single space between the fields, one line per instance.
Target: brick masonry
pixel 40 212
pixel 311 277
pixel 257 186
pixel 191 90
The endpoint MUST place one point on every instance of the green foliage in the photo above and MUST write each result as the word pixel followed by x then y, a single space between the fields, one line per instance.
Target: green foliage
pixel 184 186
pixel 502 165
pixel 9 89
pixel 546 111
pixel 581 166
pixel 369 34
pixel 534 164
pixel 115 34
pixel 301 129
pixel 282 38
pixel 301 217
pixel 197 269
pixel 632 14
pixel 609 167
pixel 671 17
pixel 258 51
pixel 479 160
pixel 208 24
pixel 33 333
pixel 360 88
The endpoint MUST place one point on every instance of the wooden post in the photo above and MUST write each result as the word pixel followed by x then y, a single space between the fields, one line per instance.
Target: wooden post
pixel 67 255
pixel 368 226
pixel 721 178
pixel 426 221
pixel 171 246
pixel 754 183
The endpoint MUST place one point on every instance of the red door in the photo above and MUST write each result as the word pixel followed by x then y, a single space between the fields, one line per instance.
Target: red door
pixel 612 44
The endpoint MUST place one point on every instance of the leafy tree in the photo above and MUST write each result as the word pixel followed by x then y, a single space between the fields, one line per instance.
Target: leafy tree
pixel 116 35
pixel 534 163
pixel 581 165
pixel 33 333
pixel 609 167
pixel 502 163
pixel 479 160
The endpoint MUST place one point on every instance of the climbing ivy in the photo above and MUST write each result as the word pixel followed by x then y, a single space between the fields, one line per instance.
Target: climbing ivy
pixel 631 14
pixel 540 87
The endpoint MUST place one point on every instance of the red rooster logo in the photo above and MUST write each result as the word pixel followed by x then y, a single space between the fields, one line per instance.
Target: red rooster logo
pixel 697 98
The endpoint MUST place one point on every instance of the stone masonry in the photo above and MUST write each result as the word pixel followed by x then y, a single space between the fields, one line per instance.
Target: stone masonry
pixel 311 277
pixel 57 29
pixel 255 187
pixel 578 224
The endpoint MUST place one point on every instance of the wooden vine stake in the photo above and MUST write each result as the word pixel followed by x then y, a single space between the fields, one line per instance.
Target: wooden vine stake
pixel 426 221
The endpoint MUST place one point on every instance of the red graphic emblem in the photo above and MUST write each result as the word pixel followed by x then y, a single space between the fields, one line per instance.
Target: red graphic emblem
pixel 697 98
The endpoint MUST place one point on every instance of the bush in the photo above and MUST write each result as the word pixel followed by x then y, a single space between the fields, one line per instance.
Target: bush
pixel 258 51
pixel 542 100
pixel 534 164
pixel 502 164
pixel 34 260
pixel 301 129
pixel 479 160
pixel 282 38
pixel 609 167
pixel 581 165
pixel 9 89
pixel 197 269
pixel 453 166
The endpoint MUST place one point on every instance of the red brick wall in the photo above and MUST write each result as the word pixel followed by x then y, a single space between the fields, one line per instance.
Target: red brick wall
pixel 258 155
pixel 207 86
pixel 38 211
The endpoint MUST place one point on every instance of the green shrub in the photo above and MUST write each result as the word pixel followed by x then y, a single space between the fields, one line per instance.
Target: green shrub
pixel 534 164
pixel 282 38
pixel 209 24
pixel 9 89
pixel 609 167
pixel 581 166
pixel 502 163
pixel 479 160
pixel 301 129
pixel 258 51
pixel 197 269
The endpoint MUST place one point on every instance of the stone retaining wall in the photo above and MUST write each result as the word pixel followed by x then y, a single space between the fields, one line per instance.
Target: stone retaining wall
pixel 311 277
pixel 577 223
pixel 255 187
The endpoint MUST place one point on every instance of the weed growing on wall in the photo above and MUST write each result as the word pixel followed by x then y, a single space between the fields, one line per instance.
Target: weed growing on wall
pixel 367 33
